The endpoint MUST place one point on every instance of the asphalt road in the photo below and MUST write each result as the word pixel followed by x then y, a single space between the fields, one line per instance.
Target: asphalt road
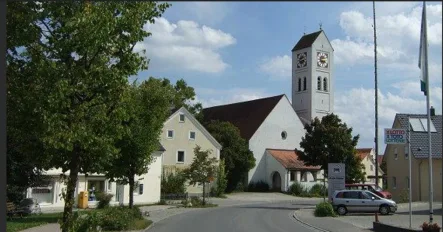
pixel 268 217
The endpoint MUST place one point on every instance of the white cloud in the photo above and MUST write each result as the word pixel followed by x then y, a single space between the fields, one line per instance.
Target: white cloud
pixel 209 12
pixel 278 67
pixel 356 108
pixel 214 97
pixel 186 45
pixel 398 36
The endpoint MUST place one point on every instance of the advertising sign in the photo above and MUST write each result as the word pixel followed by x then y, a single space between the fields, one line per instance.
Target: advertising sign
pixel 395 136
pixel 336 178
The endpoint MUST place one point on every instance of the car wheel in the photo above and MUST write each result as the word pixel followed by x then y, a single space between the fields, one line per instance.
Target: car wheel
pixel 384 210
pixel 341 210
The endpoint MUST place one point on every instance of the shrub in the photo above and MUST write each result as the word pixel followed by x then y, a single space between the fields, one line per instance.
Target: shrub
pixel 162 202
pixel 108 219
pixel 259 186
pixel 318 190
pixel 324 209
pixel 297 189
pixel 404 196
pixel 103 199
pixel 222 182
pixel 173 183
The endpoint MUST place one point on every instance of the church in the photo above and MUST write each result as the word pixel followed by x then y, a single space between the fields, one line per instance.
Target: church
pixel 274 126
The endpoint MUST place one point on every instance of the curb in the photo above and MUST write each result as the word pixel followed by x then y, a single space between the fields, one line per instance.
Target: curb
pixel 307 224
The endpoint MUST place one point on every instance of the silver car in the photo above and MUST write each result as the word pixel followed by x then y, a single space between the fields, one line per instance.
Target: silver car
pixel 345 201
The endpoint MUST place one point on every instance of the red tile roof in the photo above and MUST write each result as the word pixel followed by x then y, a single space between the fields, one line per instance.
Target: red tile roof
pixel 246 116
pixel 289 159
pixel 380 159
pixel 363 152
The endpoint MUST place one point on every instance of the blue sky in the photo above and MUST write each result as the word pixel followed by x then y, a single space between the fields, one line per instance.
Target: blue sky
pixel 236 51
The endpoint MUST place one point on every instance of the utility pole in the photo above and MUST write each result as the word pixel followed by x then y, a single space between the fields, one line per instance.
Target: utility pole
pixel 376 98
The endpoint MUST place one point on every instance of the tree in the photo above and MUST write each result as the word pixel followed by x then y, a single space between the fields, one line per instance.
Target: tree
pixel 331 141
pixel 80 55
pixel 183 95
pixel 235 153
pixel 202 169
pixel 147 108
pixel 25 151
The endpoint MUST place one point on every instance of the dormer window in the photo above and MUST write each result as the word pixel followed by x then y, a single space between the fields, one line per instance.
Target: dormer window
pixel 182 118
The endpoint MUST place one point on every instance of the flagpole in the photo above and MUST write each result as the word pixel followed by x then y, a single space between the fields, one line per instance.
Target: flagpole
pixel 428 109
pixel 376 99
pixel 410 172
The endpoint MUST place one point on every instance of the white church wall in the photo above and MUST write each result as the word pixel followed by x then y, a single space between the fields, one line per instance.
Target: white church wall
pixel 268 135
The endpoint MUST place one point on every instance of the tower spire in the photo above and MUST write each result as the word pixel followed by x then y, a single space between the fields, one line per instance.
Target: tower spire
pixel 320 26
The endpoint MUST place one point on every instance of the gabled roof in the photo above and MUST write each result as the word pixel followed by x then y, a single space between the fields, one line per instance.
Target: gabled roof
pixel 419 140
pixel 289 159
pixel 306 41
pixel 246 116
pixel 363 152
pixel 194 121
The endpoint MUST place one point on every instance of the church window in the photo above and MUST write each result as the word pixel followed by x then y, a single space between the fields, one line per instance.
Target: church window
pixel 325 84
pixel 304 83
pixel 318 83
pixel 284 135
pixel 299 84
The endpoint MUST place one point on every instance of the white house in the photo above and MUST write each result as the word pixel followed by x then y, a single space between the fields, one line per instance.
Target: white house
pixel 274 123
pixel 147 191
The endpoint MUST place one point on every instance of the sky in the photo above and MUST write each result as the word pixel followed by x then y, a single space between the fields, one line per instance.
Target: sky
pixel 237 51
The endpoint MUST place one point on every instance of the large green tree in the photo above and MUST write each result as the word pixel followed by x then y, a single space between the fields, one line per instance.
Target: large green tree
pixel 147 107
pixel 235 153
pixel 25 152
pixel 80 55
pixel 331 141
pixel 202 169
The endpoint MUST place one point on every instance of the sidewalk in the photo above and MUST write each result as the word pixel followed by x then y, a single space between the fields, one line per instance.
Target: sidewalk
pixel 420 214
pixel 325 224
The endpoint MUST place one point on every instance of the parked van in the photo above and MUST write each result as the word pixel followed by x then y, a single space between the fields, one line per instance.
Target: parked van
pixel 364 201
pixel 371 187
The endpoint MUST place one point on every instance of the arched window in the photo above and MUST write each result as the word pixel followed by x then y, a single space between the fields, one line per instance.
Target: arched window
pixel 304 83
pixel 325 84
pixel 318 83
pixel 299 84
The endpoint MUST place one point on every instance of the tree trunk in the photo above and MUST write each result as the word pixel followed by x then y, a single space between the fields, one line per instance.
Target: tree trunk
pixel 131 191
pixel 204 193
pixel 70 189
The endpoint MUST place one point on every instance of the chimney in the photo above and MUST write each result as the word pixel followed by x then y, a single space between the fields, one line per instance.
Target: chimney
pixel 432 111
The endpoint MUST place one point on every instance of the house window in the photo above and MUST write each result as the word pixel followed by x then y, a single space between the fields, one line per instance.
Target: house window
pixel 304 83
pixel 299 84
pixel 395 154
pixel 140 189
pixel 318 83
pixel 284 135
pixel 192 135
pixel 95 186
pixel 394 182
pixel 170 134
pixel 180 156
pixel 406 152
pixel 182 118
pixel 325 84
pixel 109 185
pixel 292 176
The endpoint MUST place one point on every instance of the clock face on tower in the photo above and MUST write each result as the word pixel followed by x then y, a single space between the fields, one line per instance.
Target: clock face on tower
pixel 302 60
pixel 322 59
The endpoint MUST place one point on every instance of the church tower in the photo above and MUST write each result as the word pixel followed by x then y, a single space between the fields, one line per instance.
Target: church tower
pixel 312 76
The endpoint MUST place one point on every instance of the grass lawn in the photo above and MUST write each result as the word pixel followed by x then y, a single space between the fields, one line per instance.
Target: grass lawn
pixel 18 224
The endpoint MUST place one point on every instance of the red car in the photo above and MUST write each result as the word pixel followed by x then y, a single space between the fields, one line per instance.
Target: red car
pixel 371 187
